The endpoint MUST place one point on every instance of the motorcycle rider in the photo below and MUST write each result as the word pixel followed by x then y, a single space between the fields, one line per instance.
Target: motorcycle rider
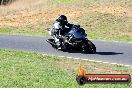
pixel 61 27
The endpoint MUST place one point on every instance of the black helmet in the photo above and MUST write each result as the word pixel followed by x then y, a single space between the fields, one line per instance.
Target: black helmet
pixel 62 19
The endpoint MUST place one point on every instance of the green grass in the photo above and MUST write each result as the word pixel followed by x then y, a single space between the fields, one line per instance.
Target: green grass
pixel 5 30
pixel 26 30
pixel 106 26
pixel 34 70
pixel 94 3
pixel 66 1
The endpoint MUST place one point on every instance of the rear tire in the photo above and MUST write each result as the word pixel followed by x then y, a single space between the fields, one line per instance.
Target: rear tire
pixel 91 47
pixel 88 47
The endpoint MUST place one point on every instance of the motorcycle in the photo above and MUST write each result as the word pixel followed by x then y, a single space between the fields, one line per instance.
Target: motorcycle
pixel 74 39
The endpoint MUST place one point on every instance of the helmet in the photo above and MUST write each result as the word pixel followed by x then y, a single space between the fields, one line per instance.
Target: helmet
pixel 62 19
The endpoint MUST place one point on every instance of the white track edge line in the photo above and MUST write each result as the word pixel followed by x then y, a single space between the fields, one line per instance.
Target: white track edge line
pixel 90 60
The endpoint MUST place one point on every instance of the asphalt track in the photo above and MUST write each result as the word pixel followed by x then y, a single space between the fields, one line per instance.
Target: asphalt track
pixel 112 52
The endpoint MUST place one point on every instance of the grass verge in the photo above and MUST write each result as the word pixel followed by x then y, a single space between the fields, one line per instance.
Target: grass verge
pixel 29 69
pixel 106 26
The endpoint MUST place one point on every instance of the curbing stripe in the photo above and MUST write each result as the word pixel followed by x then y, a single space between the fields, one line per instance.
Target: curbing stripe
pixel 105 62
pixel 69 57
pixel 90 60
pixel 98 61
pixel 85 59
pixel 127 65
pixel 114 63
pixel 101 62
pixel 76 58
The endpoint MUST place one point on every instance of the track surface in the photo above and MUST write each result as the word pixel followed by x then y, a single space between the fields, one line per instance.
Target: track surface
pixel 113 52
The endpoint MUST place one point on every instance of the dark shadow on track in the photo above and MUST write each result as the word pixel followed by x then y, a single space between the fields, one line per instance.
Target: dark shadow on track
pixel 108 53
pixel 73 51
pixel 99 53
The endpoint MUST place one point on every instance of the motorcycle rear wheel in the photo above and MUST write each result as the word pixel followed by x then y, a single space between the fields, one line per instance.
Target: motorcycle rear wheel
pixel 88 47
pixel 91 47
